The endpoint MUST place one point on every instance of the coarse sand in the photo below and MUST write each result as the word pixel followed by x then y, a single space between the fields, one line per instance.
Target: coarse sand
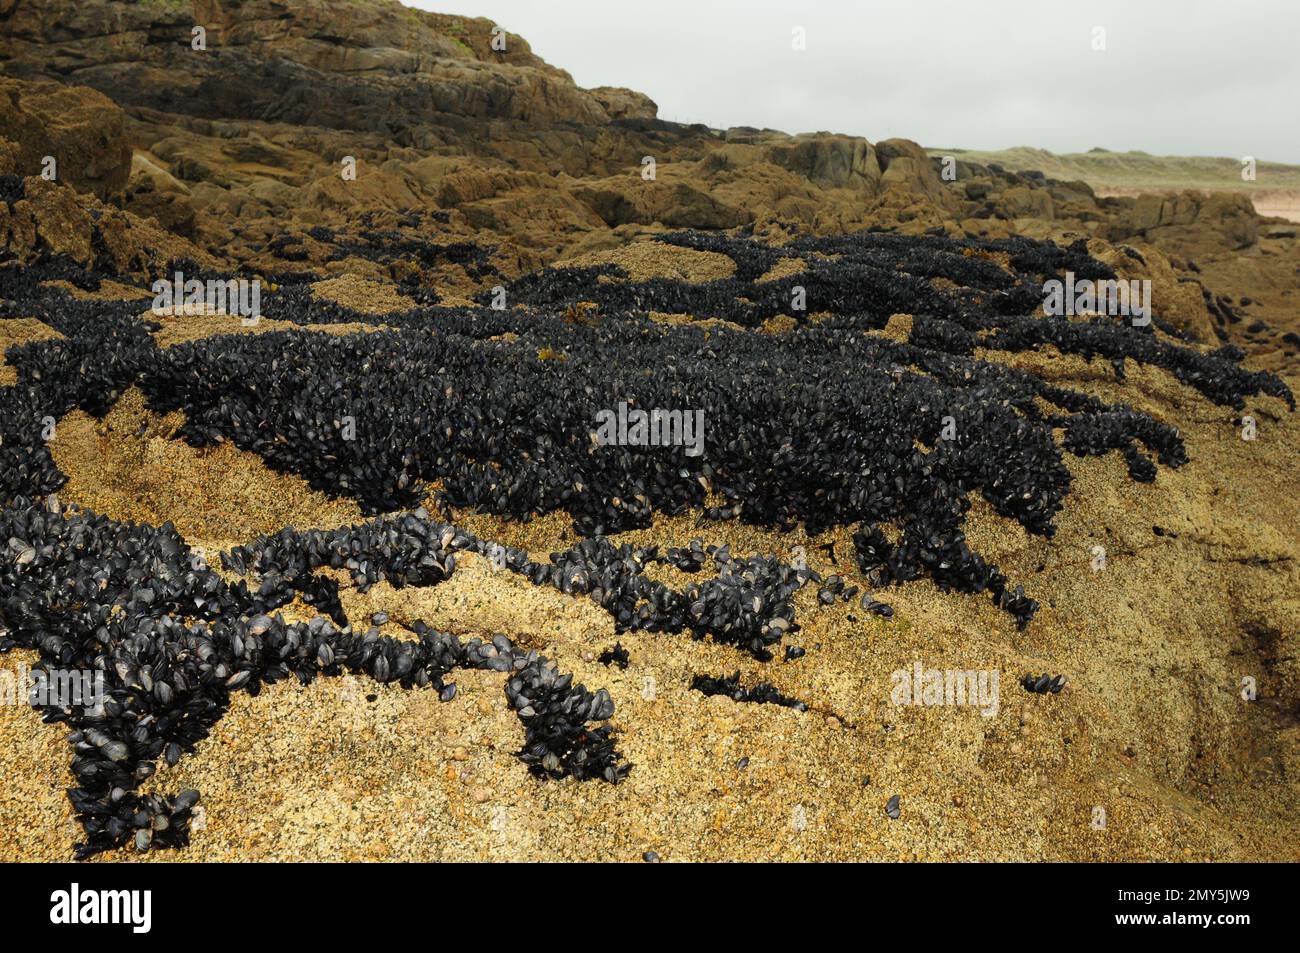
pixel 1151 728
pixel 17 331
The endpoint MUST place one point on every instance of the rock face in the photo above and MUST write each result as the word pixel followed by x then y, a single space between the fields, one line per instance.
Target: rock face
pixel 43 220
pixel 1191 220
pixel 620 103
pixel 250 112
pixel 82 130
pixel 280 136
pixel 831 162
pixel 155 193
pixel 331 64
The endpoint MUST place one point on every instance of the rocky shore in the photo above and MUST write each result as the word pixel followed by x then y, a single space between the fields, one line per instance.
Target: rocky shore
pixel 364 580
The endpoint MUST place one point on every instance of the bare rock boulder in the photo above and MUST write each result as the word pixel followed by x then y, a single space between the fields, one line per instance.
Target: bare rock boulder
pixel 82 130
pixel 622 103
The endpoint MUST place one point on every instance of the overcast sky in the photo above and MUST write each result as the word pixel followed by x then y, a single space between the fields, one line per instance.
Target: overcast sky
pixel 1178 77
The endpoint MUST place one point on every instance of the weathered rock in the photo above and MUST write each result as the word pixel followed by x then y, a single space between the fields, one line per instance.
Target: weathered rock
pixel 153 192
pixel 348 65
pixel 906 166
pixel 52 219
pixel 1191 220
pixel 1022 202
pixel 458 133
pixel 620 103
pixel 831 162
pixel 81 130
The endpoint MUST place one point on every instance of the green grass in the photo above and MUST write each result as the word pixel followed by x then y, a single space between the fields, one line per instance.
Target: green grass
pixel 1103 169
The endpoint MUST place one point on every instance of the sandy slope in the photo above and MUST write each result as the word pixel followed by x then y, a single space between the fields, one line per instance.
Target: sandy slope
pixel 1150 728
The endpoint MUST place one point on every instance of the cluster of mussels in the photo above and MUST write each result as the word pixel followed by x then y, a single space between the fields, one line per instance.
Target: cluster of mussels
pixel 173 640
pixel 747 604
pixel 761 694
pixel 833 427
pixel 1042 684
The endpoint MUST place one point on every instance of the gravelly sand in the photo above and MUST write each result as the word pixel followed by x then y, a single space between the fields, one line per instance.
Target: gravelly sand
pixel 1150 726
pixel 16 331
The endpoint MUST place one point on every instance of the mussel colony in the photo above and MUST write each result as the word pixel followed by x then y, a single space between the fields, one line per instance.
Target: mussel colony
pixel 826 425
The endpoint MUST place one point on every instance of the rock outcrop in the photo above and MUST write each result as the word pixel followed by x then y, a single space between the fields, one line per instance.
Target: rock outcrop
pixel 1191 221
pixel 245 118
pixel 278 138
pixel 67 133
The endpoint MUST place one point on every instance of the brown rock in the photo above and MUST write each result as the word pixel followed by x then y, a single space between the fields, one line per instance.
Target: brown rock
pixel 153 192
pixel 831 162
pixel 81 129
pixel 1190 222
pixel 1023 202
pixel 620 103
